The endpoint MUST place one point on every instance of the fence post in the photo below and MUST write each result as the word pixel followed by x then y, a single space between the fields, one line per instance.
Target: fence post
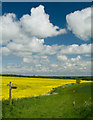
pixel 10 91
pixel 10 99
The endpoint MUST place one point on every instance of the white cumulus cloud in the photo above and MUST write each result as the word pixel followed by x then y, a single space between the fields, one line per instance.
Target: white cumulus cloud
pixel 38 24
pixel 79 23
pixel 62 58
pixel 9 27
pixel 76 49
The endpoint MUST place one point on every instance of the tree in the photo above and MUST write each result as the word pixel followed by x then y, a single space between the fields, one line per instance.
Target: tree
pixel 78 80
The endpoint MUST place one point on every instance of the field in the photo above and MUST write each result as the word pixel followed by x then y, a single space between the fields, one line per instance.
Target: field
pixel 30 99
pixel 58 105
pixel 29 87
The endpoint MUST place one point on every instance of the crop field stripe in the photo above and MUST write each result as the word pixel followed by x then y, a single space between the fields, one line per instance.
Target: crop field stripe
pixel 30 87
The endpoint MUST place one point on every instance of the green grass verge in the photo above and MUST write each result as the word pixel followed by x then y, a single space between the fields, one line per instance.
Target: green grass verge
pixel 53 106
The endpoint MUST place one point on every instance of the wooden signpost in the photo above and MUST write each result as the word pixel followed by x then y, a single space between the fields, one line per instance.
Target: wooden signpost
pixel 11 86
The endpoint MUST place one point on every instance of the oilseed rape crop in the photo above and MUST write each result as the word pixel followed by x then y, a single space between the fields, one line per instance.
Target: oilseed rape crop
pixel 30 87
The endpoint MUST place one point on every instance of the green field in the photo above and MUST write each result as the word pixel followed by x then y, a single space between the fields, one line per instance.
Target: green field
pixel 59 104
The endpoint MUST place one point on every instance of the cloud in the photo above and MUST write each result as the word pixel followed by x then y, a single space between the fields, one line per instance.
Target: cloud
pixel 62 58
pixel 26 50
pixel 6 51
pixel 75 49
pixel 36 59
pixel 34 45
pixel 79 23
pixel 38 24
pixel 65 59
pixel 92 21
pixel 9 27
pixel 77 67
pixel 88 55
pixel 76 59
pixel 51 50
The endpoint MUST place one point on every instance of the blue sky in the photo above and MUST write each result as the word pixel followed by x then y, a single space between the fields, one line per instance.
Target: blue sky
pixel 65 49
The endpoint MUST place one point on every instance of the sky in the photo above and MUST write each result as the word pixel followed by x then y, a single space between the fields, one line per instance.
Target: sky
pixel 46 38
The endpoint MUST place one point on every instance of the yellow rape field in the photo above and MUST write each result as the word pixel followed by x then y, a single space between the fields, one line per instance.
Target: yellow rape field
pixel 29 87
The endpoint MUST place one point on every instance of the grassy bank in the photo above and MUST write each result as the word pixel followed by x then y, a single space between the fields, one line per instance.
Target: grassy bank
pixel 57 105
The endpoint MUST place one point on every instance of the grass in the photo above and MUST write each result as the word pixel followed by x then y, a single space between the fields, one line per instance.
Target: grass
pixel 53 106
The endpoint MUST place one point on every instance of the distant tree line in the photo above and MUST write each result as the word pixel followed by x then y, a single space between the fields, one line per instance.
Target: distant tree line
pixel 56 77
